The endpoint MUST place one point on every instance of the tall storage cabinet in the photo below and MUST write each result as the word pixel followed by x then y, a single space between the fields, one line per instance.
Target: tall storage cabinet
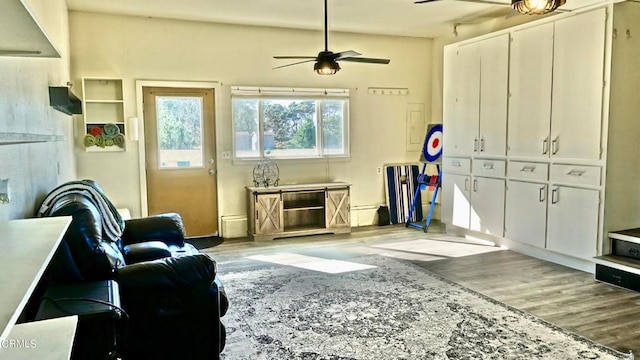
pixel 573 136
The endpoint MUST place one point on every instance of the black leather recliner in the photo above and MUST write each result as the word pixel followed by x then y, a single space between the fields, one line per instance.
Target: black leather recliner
pixel 170 291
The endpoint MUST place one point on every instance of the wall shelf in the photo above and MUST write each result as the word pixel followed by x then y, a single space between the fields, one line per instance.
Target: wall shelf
pixel 24 138
pixel 62 99
pixel 103 104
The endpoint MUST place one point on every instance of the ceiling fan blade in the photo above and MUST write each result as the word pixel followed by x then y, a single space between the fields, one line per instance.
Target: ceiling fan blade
pixel 295 63
pixel 345 54
pixel 366 60
pixel 294 57
pixel 424 1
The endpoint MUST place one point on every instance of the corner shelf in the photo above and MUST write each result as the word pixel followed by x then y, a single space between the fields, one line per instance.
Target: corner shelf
pixel 103 103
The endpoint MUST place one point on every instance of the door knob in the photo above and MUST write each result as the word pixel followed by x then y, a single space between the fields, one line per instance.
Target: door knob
pixel 212 172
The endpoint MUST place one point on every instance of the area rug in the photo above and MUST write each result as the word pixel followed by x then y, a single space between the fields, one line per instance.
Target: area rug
pixel 393 311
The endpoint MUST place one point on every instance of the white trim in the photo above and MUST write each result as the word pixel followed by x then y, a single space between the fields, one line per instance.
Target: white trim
pixel 286 91
pixel 215 85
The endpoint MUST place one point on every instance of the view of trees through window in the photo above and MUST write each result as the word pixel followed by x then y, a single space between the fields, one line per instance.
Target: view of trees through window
pixel 179 122
pixel 290 127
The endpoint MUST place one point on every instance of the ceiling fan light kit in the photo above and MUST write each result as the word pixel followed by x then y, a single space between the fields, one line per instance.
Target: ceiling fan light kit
pixel 536 7
pixel 326 65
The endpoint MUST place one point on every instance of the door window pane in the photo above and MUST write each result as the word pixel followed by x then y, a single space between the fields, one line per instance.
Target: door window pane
pixel 245 117
pixel 179 132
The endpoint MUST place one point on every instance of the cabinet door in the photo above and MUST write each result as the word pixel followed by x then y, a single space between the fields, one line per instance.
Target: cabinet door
pixel 456 197
pixel 337 208
pixel 487 206
pixel 573 221
pixel 269 219
pixel 578 65
pixel 530 91
pixel 526 213
pixel 461 134
pixel 494 74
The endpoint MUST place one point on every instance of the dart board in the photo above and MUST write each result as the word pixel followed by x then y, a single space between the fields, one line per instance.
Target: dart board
pixel 432 148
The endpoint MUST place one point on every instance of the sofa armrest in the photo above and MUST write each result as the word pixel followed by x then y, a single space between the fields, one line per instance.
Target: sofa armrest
pixel 145 251
pixel 167 228
pixel 168 274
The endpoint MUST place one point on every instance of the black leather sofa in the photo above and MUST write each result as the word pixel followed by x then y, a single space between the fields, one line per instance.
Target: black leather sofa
pixel 169 290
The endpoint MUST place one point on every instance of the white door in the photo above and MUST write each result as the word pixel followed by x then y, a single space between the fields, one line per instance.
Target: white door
pixel 576 109
pixel 487 206
pixel 573 221
pixel 530 91
pixel 494 75
pixel 462 137
pixel 526 213
pixel 456 197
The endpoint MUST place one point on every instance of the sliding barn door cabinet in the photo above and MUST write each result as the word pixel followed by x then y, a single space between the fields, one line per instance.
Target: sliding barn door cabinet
pixel 297 210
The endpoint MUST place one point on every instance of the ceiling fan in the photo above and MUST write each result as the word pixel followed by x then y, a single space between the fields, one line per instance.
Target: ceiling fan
pixel 527 7
pixel 327 61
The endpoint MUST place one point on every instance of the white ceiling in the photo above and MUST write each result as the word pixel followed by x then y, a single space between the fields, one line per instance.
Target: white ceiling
pixel 388 17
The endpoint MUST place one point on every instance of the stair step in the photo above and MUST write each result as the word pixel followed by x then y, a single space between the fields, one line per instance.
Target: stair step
pixel 630 235
pixel 619 262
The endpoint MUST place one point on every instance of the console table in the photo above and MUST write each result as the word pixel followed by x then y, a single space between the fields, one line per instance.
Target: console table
pixel 296 210
pixel 27 247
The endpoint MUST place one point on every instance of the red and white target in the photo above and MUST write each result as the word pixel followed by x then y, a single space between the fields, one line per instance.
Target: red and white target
pixel 432 149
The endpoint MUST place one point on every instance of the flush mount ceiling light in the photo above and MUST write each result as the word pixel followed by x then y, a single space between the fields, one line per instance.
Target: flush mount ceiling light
pixel 536 7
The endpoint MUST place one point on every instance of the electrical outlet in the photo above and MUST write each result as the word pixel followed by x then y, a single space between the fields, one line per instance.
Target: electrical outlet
pixel 379 170
pixel 226 154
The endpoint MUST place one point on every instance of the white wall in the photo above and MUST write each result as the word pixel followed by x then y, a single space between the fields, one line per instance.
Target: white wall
pixel 35 169
pixel 136 48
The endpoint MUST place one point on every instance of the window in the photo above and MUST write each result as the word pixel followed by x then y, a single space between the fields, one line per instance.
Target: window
pixel 179 131
pixel 290 123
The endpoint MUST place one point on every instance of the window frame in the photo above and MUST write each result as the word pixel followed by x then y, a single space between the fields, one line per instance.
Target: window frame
pixel 293 94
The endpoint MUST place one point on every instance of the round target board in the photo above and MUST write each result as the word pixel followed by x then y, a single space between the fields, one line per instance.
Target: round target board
pixel 432 149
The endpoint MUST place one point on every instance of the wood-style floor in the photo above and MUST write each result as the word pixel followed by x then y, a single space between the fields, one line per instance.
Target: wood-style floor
pixel 563 296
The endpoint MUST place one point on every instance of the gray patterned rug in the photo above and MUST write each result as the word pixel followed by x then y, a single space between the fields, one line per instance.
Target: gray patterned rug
pixel 394 311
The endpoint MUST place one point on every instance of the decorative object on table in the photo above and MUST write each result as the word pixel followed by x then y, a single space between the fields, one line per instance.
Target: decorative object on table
pixel 392 311
pixel 266 173
pixel 104 136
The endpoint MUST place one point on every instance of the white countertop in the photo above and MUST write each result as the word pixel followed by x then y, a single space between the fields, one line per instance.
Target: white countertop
pixel 45 339
pixel 26 246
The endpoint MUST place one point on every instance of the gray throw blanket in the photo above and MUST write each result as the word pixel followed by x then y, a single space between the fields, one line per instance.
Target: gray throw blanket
pixel 112 223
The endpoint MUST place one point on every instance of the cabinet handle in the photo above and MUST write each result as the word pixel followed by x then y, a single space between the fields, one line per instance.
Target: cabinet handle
pixel 545 146
pixel 475 185
pixel 466 184
pixel 554 145
pixel 456 163
pixel 475 144
pixel 482 144
pixel 257 214
pixel 554 196
pixel 542 191
pixel 576 173
pixel 528 169
pixel 487 166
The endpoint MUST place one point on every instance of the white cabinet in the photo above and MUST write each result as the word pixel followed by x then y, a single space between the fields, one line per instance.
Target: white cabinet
pixel 573 221
pixel 526 213
pixel 494 74
pixel 578 65
pixel 556 88
pixel 530 91
pixel 475 108
pixel 456 199
pixel 487 206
